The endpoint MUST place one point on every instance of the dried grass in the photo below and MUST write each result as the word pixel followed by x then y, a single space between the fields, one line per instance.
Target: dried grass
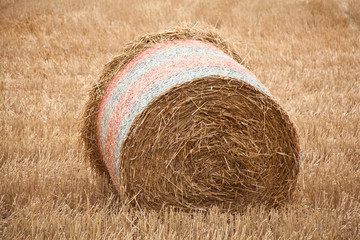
pixel 306 56
pixel 210 141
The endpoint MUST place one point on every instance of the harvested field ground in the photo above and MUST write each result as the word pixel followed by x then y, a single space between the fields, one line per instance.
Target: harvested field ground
pixel 307 53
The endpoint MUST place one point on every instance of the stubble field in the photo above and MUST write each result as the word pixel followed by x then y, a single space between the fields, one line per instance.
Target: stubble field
pixel 307 53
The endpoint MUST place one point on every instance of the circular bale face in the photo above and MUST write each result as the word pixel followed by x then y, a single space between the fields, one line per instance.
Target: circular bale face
pixel 177 120
pixel 210 141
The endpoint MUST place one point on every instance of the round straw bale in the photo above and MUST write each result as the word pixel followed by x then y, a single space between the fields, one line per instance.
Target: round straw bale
pixel 177 120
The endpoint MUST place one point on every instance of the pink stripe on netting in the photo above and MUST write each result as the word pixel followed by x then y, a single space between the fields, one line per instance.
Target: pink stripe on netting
pixel 154 75
pixel 111 173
